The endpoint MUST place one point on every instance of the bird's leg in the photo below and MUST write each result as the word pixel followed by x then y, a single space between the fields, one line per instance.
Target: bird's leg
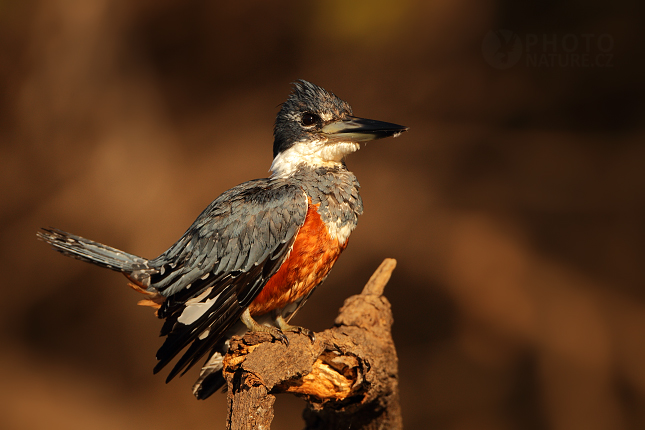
pixel 284 326
pixel 253 325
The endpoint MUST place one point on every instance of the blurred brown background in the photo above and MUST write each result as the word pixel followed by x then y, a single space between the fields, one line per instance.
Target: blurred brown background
pixel 514 206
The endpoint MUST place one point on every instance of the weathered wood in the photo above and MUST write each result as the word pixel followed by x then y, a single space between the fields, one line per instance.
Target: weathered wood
pixel 251 407
pixel 349 375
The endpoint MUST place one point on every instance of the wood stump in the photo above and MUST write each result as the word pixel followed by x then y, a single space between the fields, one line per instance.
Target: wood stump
pixel 348 376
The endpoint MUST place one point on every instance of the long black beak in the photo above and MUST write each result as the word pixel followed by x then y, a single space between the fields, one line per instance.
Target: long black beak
pixel 362 130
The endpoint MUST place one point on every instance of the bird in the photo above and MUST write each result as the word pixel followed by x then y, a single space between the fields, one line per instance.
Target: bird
pixel 255 255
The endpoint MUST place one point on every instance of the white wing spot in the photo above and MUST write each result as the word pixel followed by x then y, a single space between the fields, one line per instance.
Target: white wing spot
pixel 194 311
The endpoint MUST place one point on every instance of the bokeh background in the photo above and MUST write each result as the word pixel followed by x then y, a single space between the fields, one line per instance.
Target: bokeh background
pixel 515 205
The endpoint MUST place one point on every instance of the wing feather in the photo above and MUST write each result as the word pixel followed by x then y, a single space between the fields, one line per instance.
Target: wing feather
pixel 221 264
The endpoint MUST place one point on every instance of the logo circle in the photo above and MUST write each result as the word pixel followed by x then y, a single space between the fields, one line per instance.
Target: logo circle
pixel 502 49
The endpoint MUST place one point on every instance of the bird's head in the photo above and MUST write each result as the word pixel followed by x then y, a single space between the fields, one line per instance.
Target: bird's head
pixel 316 128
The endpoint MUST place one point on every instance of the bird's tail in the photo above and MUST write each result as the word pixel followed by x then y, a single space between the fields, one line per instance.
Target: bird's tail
pixel 211 378
pixel 92 252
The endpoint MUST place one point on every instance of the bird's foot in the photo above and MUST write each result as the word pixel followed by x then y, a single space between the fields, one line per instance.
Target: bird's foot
pixel 254 326
pixel 284 326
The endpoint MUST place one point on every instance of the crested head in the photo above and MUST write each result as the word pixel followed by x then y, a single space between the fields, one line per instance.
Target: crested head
pixel 315 128
pixel 308 106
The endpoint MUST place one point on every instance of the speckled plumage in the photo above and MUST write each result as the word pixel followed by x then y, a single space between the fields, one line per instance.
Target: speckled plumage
pixel 292 225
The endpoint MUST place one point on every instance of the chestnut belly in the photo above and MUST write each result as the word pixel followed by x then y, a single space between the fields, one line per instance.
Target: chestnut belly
pixel 312 256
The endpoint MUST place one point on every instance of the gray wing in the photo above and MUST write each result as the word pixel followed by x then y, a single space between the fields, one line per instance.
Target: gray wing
pixel 221 264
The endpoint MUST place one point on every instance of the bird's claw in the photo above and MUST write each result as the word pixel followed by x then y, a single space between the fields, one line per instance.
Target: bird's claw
pixel 295 329
pixel 278 332
pixel 254 326
pixel 280 336
pixel 310 334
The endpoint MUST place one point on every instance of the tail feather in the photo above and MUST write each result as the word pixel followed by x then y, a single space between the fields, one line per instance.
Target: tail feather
pixel 92 252
pixel 211 378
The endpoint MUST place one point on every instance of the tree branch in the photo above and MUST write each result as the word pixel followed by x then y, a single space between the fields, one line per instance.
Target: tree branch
pixel 348 376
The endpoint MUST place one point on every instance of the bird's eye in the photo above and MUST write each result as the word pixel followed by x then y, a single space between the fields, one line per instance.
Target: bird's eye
pixel 309 119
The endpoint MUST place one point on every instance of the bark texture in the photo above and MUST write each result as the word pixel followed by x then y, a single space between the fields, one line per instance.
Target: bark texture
pixel 348 376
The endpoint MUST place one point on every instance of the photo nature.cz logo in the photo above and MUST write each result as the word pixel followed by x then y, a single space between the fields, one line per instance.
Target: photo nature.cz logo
pixel 502 49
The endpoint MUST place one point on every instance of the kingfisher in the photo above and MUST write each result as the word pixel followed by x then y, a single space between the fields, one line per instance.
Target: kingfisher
pixel 254 256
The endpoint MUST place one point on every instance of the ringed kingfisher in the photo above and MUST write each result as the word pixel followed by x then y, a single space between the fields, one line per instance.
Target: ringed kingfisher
pixel 255 254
